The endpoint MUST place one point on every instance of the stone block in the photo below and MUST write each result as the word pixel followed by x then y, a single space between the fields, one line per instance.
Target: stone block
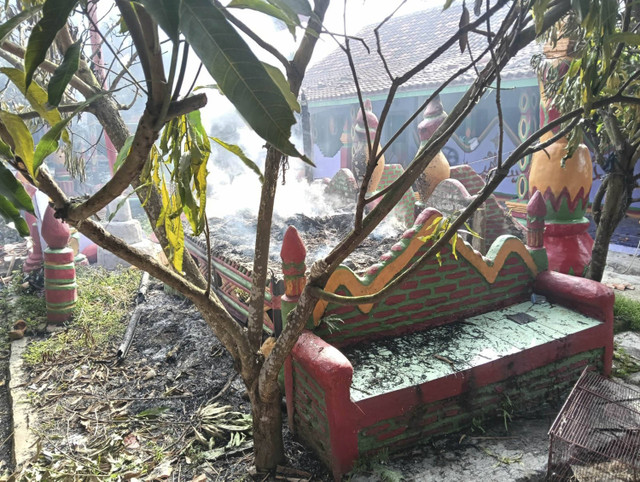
pixel 122 214
pixel 129 231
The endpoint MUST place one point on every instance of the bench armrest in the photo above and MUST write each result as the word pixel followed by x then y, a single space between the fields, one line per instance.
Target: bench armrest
pixel 331 372
pixel 586 296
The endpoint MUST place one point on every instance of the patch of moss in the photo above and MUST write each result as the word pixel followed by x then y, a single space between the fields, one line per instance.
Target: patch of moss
pixel 623 364
pixel 626 313
pixel 23 300
pixel 104 298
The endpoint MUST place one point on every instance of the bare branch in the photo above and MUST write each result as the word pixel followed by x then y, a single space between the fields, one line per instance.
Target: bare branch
pixel 253 36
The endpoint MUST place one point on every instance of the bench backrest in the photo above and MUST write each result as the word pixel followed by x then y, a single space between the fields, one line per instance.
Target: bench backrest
pixel 461 284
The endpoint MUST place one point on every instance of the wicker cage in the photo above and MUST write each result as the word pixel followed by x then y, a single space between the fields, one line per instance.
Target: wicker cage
pixel 596 435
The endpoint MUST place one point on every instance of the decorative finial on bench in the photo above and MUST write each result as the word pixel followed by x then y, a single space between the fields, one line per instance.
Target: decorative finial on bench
pixel 293 254
pixel 536 212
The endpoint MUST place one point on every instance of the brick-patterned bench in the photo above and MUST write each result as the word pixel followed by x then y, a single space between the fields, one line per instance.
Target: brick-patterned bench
pixel 442 348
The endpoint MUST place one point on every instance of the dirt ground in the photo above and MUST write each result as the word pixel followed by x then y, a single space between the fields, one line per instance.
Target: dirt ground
pixel 151 416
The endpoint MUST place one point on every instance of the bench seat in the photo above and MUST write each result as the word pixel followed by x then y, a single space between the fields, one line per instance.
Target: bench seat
pixel 393 364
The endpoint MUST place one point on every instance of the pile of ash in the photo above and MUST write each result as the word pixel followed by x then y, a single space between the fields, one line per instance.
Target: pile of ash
pixel 233 237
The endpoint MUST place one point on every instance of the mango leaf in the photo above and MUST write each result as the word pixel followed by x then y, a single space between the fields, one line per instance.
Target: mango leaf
pixel 5 151
pixel 63 74
pixel 289 18
pixel 13 190
pixel 167 14
pixel 11 214
pixel 464 21
pixel 48 144
pixel 54 17
pixel 539 7
pixel 7 27
pixel 581 7
pixel 240 153
pixel 175 234
pixel 278 77
pixel 300 7
pixel 624 37
pixel 36 96
pixel 22 139
pixel 238 73
pixel 123 153
pixel 152 412
pixel 477 8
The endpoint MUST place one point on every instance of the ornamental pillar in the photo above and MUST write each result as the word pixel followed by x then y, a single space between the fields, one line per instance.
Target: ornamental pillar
pixel 59 269
pixel 293 254
pixel 564 184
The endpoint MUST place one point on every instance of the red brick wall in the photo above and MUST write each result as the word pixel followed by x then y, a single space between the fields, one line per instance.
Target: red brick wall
pixel 433 296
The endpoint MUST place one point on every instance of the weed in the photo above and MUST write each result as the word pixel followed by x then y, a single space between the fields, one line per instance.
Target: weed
pixel 507 411
pixel 332 323
pixel 376 465
pixel 476 424
pixel 626 312
pixel 23 302
pixel 104 298
pixel 624 364
pixel 503 459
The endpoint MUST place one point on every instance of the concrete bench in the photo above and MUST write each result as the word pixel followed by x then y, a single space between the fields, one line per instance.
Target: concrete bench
pixel 455 342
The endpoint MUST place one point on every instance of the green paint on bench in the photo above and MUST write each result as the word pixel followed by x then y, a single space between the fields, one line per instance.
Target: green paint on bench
pixel 387 365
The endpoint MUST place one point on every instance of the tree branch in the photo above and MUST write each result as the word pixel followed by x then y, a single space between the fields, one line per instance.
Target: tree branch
pixel 146 134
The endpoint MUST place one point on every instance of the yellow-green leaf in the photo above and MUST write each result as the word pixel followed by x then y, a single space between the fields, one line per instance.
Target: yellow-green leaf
pixel 54 17
pixel 22 139
pixel 36 96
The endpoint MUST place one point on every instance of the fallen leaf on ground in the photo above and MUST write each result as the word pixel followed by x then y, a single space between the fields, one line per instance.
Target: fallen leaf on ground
pixel 162 471
pixel 131 442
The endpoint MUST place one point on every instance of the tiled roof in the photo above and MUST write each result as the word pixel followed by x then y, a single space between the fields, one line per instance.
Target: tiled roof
pixel 405 41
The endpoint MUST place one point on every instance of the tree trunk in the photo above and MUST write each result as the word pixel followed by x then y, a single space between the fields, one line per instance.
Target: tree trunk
pixel 268 446
pixel 615 205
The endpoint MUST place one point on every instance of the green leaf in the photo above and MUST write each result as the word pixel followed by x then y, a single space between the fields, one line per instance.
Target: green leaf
pixel 290 19
pixel 11 214
pixel 239 152
pixel 447 4
pixel 5 151
pixel 167 14
pixel 13 190
pixel 581 7
pixel 48 144
pixel 123 153
pixel 36 96
pixel 300 7
pixel 152 412
pixel 7 27
pixel 22 139
pixel 624 37
pixel 238 73
pixel 64 73
pixel 54 17
pixel 538 14
pixel 278 77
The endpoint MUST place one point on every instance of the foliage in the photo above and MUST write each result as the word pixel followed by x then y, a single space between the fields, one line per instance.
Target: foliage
pixel 626 312
pixel 170 176
pixel 104 298
pixel 592 32
pixel 623 363
pixel 26 304
pixel 376 465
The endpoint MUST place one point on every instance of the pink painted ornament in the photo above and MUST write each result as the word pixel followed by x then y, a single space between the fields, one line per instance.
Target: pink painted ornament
pixel 35 258
pixel 55 232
